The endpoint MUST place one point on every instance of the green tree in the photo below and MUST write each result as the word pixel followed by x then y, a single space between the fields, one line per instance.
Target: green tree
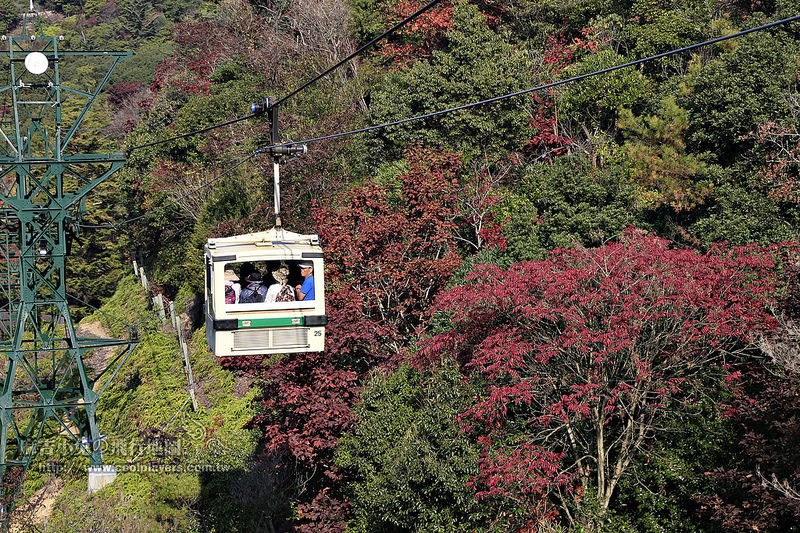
pixel 595 101
pixel 568 203
pixel 9 15
pixel 660 162
pixel 476 64
pixel 741 89
pixel 410 462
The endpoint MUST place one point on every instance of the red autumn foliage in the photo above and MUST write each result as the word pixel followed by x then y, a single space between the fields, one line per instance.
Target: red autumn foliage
pixel 581 354
pixel 419 38
pixel 121 91
pixel 546 141
pixel 198 42
pixel 388 253
pixel 559 53
pixel 189 68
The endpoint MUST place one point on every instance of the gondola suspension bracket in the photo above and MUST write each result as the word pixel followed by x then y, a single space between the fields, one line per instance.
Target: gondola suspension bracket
pixel 277 150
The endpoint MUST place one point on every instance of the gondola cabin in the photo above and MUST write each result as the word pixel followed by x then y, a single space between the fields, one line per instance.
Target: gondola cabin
pixel 252 304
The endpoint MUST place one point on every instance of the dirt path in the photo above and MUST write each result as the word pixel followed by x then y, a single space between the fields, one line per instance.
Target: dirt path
pixel 99 357
pixel 38 507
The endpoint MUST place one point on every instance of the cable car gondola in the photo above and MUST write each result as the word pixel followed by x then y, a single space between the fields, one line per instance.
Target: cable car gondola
pixel 272 325
pixel 265 327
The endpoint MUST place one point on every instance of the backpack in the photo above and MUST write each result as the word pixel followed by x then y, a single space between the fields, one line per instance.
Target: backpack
pixel 230 295
pixel 254 293
pixel 286 294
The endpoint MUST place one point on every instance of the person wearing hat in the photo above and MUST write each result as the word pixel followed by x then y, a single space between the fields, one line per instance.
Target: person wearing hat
pixel 281 291
pixel 254 292
pixel 305 291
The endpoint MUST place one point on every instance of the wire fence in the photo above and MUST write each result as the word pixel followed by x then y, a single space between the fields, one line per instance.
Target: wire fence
pixel 164 309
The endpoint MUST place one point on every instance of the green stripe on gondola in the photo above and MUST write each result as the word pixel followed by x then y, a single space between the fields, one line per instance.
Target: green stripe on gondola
pixel 271 322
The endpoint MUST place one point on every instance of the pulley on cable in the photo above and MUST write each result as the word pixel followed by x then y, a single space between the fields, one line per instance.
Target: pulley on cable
pixel 265 291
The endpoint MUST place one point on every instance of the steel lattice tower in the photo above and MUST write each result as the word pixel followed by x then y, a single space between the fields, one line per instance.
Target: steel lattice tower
pixel 46 381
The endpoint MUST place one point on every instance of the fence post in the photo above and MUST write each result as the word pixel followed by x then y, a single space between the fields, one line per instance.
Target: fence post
pixel 158 300
pixel 187 363
pixel 172 315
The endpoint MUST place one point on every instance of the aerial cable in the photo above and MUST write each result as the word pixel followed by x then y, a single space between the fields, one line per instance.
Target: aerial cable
pixel 471 105
pixel 87 304
pixel 330 69
pixel 388 32
pixel 161 208
pixel 195 132
pixel 542 87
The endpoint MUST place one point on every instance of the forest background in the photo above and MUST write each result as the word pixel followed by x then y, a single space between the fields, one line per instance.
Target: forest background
pixel 571 310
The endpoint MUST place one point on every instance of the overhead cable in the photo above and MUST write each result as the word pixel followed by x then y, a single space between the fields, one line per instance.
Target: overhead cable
pixel 471 105
pixel 388 32
pixel 189 134
pixel 161 208
pixel 330 69
pixel 542 87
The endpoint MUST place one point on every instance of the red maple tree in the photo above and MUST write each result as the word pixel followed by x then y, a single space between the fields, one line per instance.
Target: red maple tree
pixel 762 492
pixel 546 141
pixel 389 251
pixel 419 38
pixel 583 352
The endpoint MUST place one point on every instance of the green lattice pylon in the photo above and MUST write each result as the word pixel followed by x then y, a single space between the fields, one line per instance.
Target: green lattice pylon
pixel 46 380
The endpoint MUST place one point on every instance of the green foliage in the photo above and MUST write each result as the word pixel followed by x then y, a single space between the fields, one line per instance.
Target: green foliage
pixel 566 204
pixel 532 21
pixel 661 492
pixel 596 101
pixel 164 451
pixel 741 89
pixel 659 160
pixel 145 60
pixel 368 18
pixel 409 460
pixel 9 14
pixel 76 511
pixel 659 26
pixel 476 64
pixel 127 302
pixel 738 213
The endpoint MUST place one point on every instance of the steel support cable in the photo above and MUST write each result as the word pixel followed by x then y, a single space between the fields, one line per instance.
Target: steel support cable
pixel 482 102
pixel 388 32
pixel 310 82
pixel 189 134
pixel 112 317
pixel 161 208
pixel 542 87
pixel 148 324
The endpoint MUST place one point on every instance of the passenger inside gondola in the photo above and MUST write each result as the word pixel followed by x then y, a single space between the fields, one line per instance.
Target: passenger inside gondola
pixel 305 290
pixel 270 282
pixel 255 291
pixel 232 286
pixel 280 291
